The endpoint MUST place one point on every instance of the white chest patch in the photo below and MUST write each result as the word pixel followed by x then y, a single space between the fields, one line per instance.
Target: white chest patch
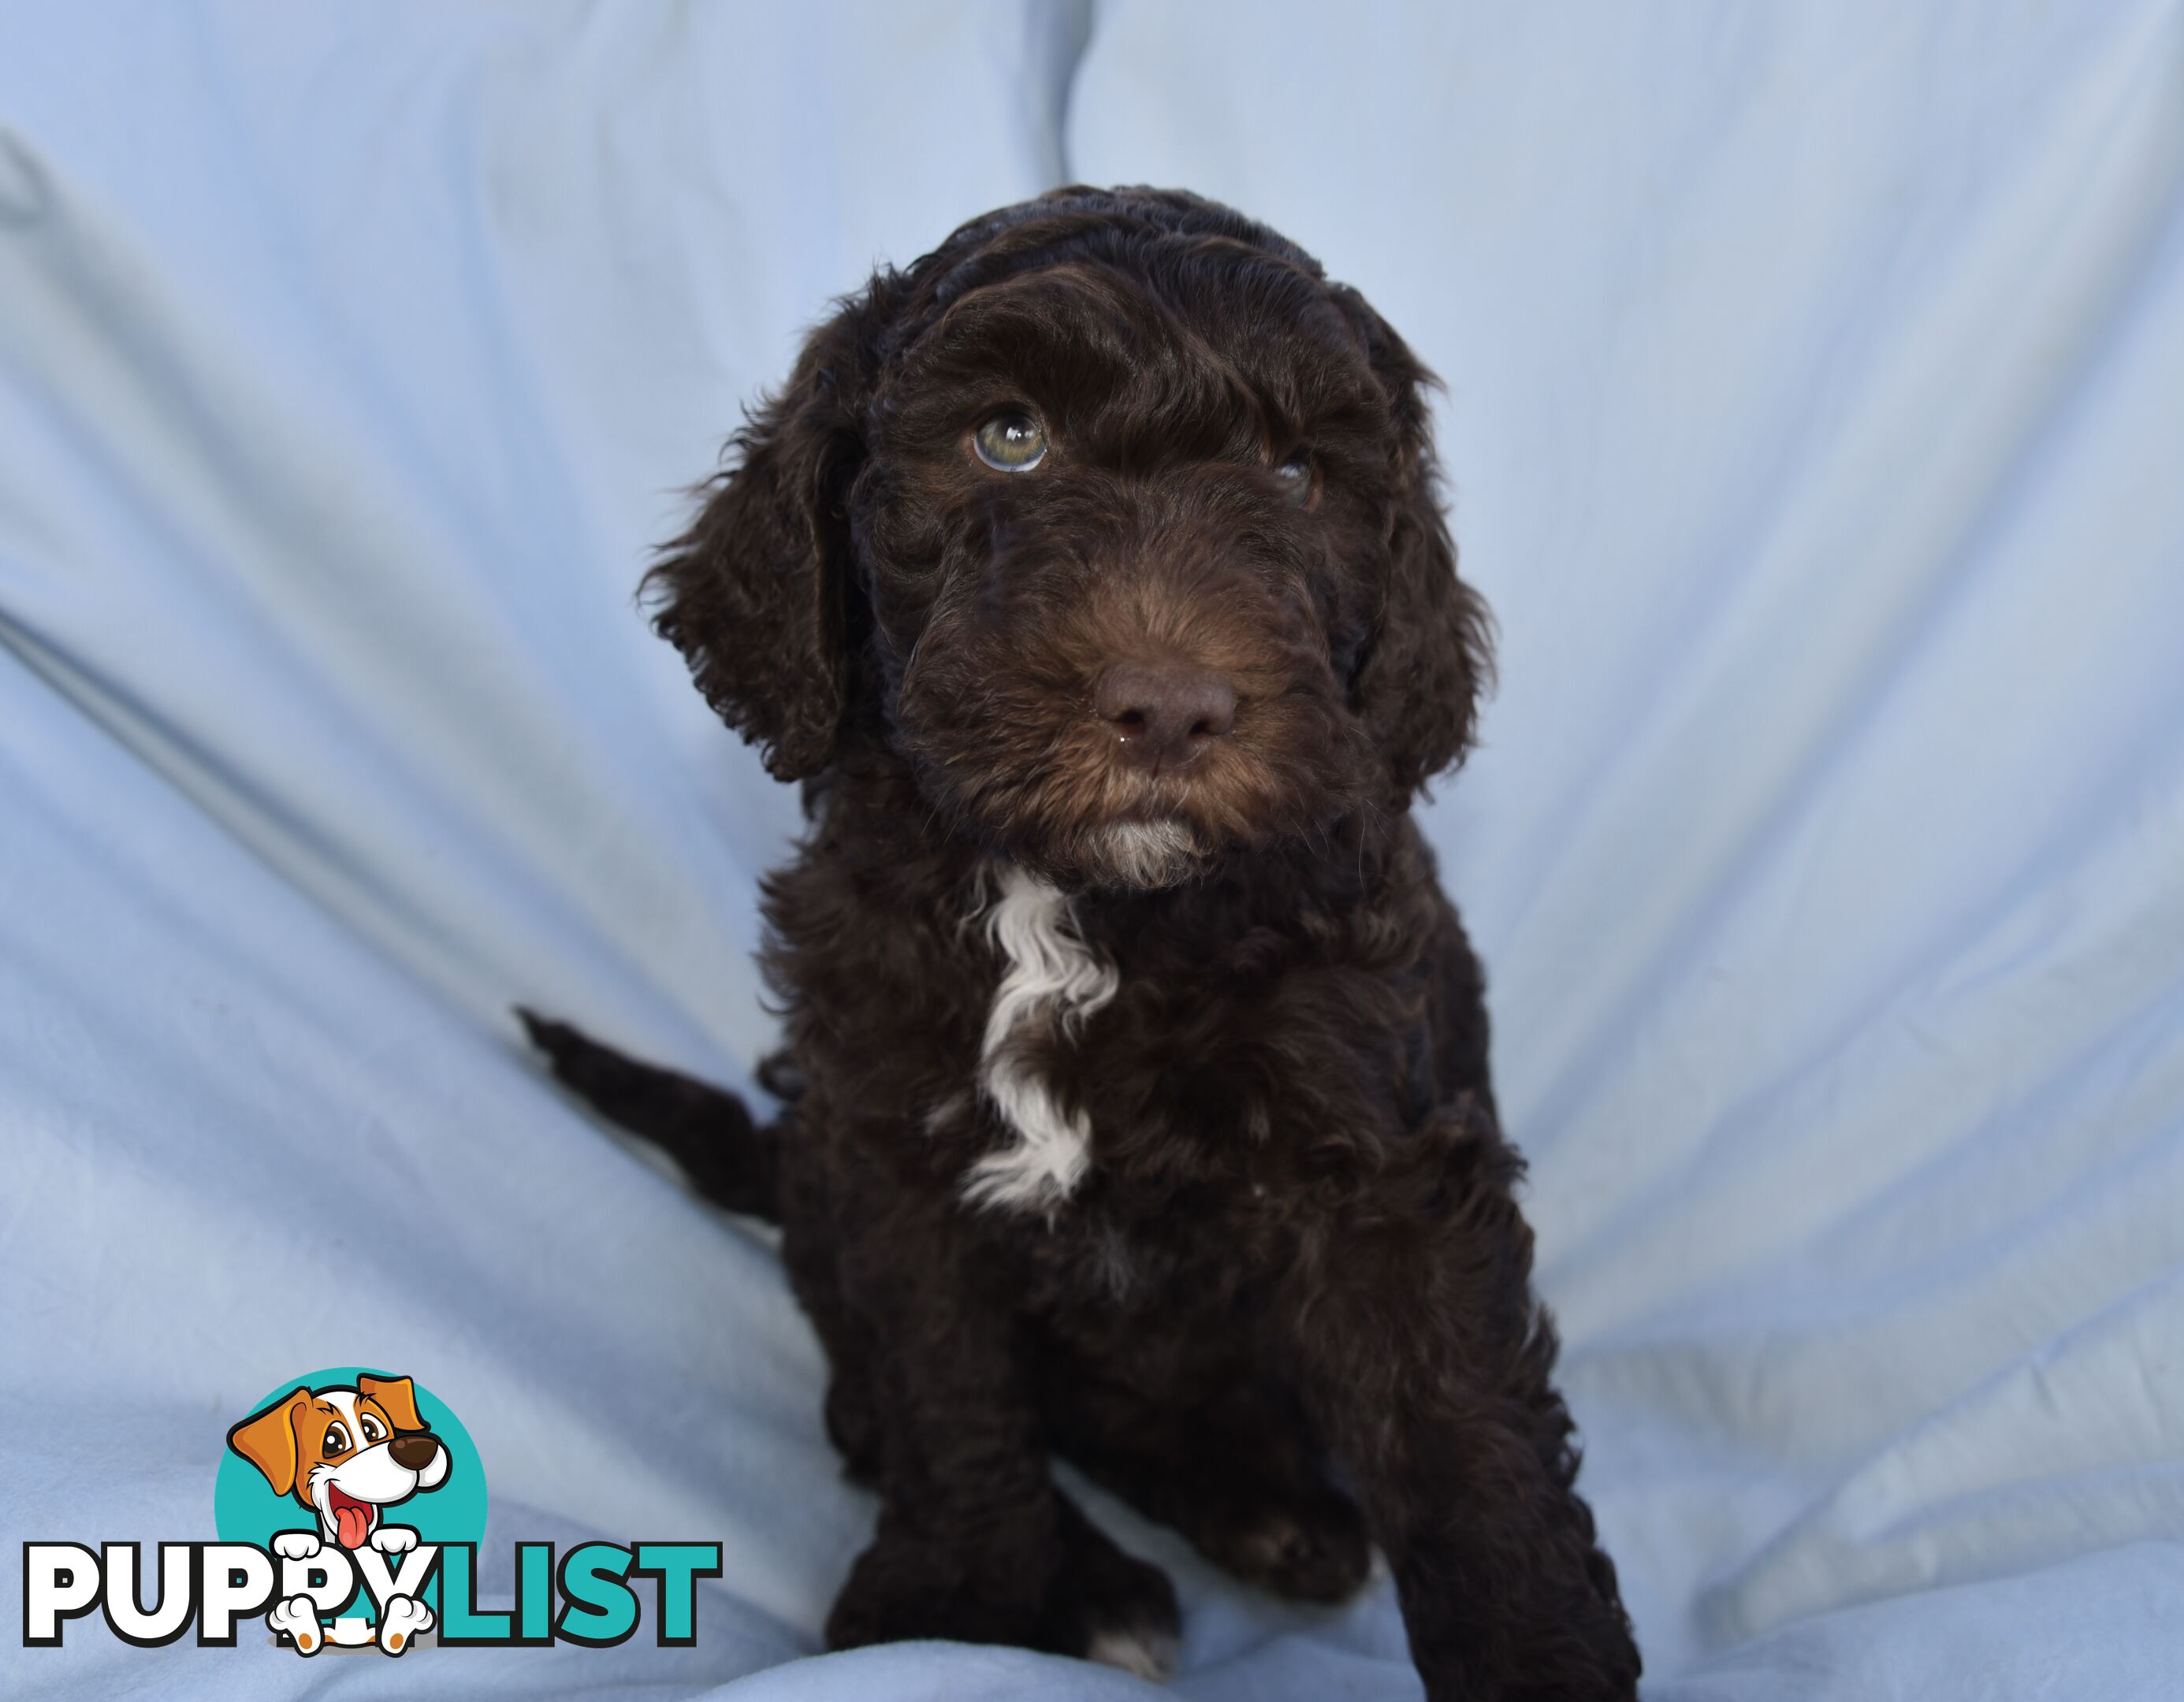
pixel 1051 976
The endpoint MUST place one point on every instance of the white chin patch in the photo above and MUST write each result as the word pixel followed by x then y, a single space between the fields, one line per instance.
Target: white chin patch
pixel 1051 976
pixel 1144 853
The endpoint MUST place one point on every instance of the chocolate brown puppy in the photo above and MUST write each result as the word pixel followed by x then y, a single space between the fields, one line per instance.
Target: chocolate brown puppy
pixel 1090 576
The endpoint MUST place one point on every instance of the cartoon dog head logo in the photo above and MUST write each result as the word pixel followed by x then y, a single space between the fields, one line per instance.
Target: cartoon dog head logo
pixel 345 1452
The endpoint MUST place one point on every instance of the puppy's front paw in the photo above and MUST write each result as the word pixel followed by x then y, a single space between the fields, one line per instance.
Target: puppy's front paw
pixel 296 1546
pixel 394 1539
pixel 903 1590
pixel 1111 1607
pixel 400 1622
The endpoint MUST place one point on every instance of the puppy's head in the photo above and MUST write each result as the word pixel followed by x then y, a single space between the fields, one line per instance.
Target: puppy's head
pixel 1117 520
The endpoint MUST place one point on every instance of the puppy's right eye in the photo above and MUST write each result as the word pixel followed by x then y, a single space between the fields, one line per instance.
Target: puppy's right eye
pixel 1011 442
pixel 336 1441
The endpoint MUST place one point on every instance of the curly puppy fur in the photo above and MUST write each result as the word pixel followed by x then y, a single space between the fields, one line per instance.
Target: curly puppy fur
pixel 1136 1106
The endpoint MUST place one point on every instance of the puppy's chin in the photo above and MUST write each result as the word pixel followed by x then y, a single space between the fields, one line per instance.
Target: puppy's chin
pixel 1142 856
pixel 1127 856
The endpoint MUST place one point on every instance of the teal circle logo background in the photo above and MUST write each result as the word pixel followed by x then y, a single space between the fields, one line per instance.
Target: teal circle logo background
pixel 245 1508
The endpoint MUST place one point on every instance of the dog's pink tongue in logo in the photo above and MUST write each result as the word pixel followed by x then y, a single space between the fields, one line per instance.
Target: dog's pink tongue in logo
pixel 351 1518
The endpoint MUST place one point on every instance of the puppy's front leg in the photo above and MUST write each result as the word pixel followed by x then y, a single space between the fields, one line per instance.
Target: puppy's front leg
pixel 1426 1363
pixel 969 1541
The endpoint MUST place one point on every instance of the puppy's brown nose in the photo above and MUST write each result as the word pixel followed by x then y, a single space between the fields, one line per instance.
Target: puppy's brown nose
pixel 413 1450
pixel 1165 714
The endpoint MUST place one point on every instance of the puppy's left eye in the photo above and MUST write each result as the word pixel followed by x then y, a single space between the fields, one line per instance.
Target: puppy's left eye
pixel 1011 442
pixel 1294 477
pixel 370 1426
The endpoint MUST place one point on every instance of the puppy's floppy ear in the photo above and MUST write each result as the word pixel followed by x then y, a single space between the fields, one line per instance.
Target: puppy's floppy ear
pixel 753 595
pixel 1430 656
pixel 267 1439
pixel 398 1395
